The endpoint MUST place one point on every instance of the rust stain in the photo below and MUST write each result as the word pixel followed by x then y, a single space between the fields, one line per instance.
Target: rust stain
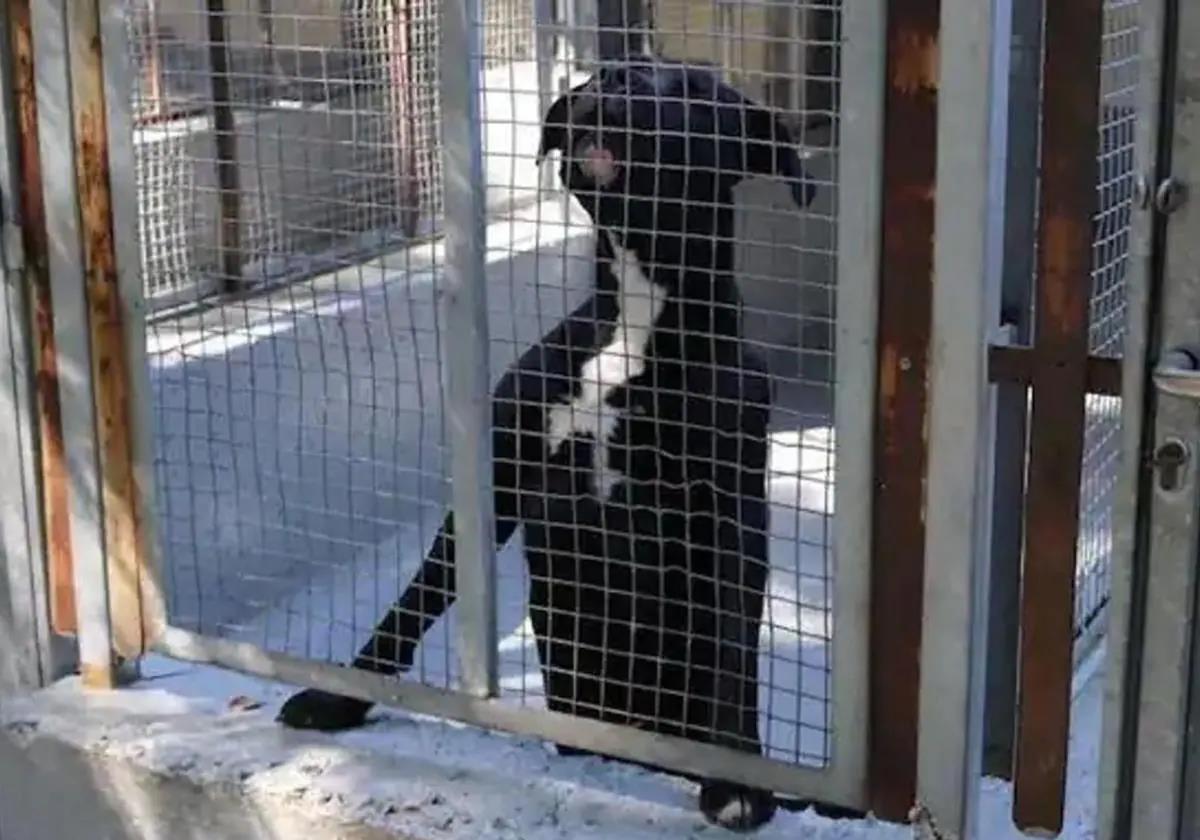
pixel 52 454
pixel 124 544
pixel 915 61
pixel 1059 373
pixel 888 368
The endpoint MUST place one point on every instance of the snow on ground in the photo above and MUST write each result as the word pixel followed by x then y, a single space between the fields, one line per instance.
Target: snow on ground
pixel 430 778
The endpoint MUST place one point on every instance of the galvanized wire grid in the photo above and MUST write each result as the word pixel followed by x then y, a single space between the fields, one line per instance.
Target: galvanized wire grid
pixel 541 263
pixel 301 453
pixel 1119 79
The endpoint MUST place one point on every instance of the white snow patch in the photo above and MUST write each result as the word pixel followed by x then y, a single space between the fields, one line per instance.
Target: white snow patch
pixel 427 778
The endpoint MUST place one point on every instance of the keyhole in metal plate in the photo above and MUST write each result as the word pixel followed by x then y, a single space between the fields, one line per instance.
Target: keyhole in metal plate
pixel 1170 459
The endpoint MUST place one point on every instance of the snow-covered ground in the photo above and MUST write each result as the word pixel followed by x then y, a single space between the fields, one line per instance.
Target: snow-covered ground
pixel 425 778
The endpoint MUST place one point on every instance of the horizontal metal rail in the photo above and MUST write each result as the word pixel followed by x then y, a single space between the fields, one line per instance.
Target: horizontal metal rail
pixel 670 752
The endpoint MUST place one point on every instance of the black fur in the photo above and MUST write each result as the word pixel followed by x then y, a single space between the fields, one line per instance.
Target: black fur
pixel 646 605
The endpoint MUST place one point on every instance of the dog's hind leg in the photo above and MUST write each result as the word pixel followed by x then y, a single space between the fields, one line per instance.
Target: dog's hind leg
pixel 742 578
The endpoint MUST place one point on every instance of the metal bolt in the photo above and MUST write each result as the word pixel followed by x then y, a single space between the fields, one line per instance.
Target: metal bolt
pixel 1170 196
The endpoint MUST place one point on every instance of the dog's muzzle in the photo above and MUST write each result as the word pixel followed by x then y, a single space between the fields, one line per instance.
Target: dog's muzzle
pixel 597 163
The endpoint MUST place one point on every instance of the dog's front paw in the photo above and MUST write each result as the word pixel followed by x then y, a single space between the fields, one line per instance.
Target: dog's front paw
pixel 736 807
pixel 313 709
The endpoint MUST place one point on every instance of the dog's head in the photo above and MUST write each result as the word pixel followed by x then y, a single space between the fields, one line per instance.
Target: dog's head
pixel 652 140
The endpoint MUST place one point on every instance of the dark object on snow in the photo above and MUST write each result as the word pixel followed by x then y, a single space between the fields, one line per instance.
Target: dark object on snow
pixel 631 443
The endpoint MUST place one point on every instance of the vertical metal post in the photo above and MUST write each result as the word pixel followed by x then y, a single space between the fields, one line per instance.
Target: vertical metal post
pixel 958 500
pixel 119 77
pixel 1070 119
pixel 859 200
pixel 468 408
pixel 910 149
pixel 107 320
pixel 620 32
pixel 229 249
pixel 25 653
pixel 545 51
pixel 1012 399
pixel 56 521
pixel 1128 575
pixel 64 237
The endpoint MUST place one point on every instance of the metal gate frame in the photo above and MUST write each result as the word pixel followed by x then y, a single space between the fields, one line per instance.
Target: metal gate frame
pixel 98 301
pixel 908 611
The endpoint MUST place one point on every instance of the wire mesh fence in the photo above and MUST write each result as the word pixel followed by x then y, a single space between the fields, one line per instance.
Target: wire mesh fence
pixel 1119 80
pixel 276 141
pixel 302 444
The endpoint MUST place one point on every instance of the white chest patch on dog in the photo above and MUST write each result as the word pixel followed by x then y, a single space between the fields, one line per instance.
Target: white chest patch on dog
pixel 622 359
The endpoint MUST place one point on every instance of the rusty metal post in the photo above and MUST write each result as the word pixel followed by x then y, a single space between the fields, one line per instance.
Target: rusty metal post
pixel 403 101
pixel 902 402
pixel 56 516
pixel 229 198
pixel 125 546
pixel 1070 125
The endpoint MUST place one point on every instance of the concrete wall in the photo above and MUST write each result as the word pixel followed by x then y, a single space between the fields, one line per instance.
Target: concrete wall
pixel 114 799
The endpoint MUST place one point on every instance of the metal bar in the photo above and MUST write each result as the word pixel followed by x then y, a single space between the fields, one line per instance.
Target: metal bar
pixel 545 51
pixel 966 309
pixel 1018 366
pixel 55 509
pixel 24 607
pixel 1189 776
pixel 1070 121
pixel 71 335
pixel 26 655
pixel 678 754
pixel 1127 604
pixel 229 231
pixel 468 409
pixel 1012 399
pixel 106 326
pixel 119 76
pixel 905 310
pixel 400 91
pixel 859 236
pixel 1154 724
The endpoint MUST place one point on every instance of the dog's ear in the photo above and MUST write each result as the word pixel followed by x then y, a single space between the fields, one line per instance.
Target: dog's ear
pixel 755 141
pixel 770 150
pixel 554 128
pixel 571 108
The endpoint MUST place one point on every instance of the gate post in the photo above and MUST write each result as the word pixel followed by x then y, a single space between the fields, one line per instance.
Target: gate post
pixel 968 247
pixel 468 396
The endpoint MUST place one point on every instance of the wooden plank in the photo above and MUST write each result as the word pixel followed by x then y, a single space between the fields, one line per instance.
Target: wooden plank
pixel 1017 365
pixel 125 547
pixel 1070 126
pixel 905 320
pixel 55 483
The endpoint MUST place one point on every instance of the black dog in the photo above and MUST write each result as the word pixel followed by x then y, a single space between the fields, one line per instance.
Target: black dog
pixel 631 443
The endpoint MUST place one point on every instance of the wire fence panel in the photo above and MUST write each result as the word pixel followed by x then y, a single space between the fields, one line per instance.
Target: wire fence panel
pixel 291 197
pixel 1119 81
pixel 301 453
pixel 783 261
pixel 306 128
